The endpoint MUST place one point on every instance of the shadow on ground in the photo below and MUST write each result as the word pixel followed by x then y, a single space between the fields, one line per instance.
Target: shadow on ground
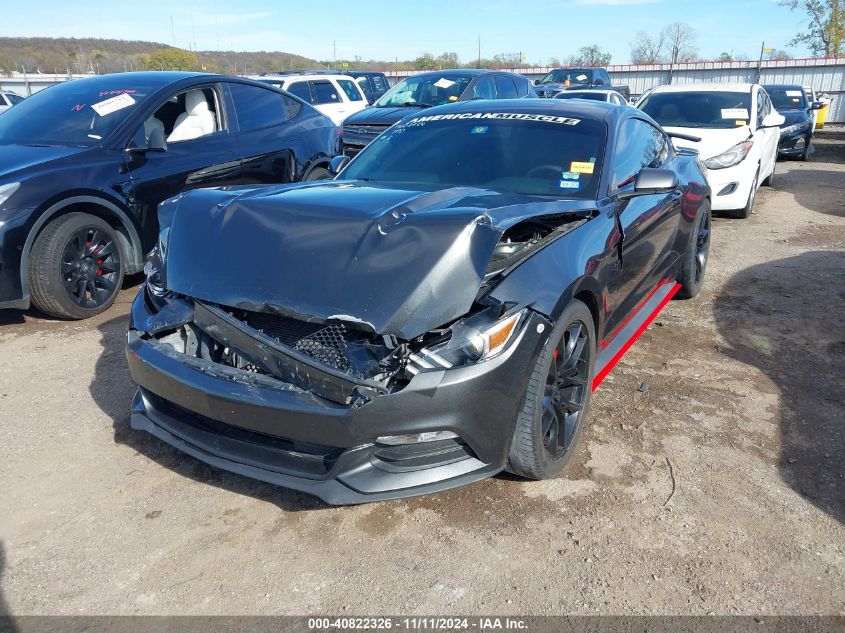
pixel 112 389
pixel 784 317
pixel 7 624
pixel 817 189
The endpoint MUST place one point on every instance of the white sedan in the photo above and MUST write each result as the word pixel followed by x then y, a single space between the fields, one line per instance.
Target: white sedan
pixel 739 131
pixel 336 96
pixel 593 94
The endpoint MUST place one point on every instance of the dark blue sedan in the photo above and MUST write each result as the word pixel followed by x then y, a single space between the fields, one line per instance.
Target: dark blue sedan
pixel 84 165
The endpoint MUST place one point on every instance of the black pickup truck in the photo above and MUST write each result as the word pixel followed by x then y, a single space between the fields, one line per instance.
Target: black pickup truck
pixel 561 79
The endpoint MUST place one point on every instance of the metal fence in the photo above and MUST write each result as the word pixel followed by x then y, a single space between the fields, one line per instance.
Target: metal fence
pixel 824 75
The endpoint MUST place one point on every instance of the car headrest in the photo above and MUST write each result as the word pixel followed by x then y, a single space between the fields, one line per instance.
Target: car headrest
pixel 195 103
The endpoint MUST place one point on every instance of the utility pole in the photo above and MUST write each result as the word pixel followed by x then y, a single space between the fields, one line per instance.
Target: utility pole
pixel 334 54
pixel 172 31
pixel 760 63
pixel 479 50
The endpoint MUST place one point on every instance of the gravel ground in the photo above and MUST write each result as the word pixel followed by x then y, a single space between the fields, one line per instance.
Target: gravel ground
pixel 710 480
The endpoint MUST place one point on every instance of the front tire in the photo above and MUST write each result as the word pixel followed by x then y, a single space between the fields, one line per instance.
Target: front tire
pixel 75 267
pixel 696 255
pixel 557 399
pixel 318 173
pixel 745 212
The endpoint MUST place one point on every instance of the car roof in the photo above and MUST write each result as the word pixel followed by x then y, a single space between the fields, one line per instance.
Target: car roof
pixel 315 76
pixel 705 87
pixel 472 72
pixel 570 108
pixel 580 91
pixel 161 77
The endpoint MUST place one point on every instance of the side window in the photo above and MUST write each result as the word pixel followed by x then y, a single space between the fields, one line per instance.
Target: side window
pixel 505 87
pixel 256 107
pixel 364 82
pixel 301 90
pixel 292 106
pixel 639 145
pixel 601 73
pixel 523 87
pixel 13 99
pixel 379 82
pixel 351 90
pixel 484 88
pixel 187 115
pixel 324 92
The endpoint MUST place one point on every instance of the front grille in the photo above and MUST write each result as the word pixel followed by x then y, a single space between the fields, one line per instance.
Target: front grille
pixel 366 130
pixel 325 343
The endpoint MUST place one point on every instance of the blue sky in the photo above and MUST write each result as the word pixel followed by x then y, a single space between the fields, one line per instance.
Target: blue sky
pixel 384 29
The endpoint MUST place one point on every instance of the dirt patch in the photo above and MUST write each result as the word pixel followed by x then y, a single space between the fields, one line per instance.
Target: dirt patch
pixel 710 479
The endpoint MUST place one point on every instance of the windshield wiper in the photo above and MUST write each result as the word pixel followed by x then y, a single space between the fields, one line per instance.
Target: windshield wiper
pixel 414 104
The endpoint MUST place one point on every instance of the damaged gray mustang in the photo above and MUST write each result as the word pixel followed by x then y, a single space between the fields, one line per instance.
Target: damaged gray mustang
pixel 438 313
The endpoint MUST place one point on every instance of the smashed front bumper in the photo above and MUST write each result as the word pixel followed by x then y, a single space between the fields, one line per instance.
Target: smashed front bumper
pixel 280 433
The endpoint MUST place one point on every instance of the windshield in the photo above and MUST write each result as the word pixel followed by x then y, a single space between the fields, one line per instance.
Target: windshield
pixel 76 113
pixel 592 96
pixel 787 98
pixel 572 75
pixel 704 109
pixel 428 90
pixel 531 154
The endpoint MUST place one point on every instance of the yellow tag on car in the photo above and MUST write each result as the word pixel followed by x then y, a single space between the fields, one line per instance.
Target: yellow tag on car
pixel 582 168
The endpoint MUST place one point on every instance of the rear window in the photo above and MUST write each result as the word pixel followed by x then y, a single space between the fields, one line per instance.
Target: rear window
pixel 522 153
pixel 703 109
pixel 787 98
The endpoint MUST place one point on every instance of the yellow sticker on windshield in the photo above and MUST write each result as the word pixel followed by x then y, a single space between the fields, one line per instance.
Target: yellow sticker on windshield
pixel 582 168
pixel 742 123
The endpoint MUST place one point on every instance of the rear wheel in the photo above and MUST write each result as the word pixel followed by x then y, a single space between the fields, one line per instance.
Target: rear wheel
pixel 75 268
pixel 745 212
pixel 696 255
pixel 557 398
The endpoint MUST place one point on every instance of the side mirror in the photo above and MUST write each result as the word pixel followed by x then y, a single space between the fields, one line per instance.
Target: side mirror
pixel 157 142
pixel 337 164
pixel 536 82
pixel 773 119
pixel 650 181
pixel 816 105
pixel 599 82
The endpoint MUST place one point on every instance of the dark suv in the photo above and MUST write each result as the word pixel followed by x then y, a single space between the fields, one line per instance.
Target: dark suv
pixel 796 133
pixel 374 84
pixel 84 165
pixel 426 90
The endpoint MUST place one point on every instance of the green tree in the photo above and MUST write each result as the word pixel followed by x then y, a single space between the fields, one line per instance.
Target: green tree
pixel 592 55
pixel 426 61
pixel 725 57
pixel 172 59
pixel 825 34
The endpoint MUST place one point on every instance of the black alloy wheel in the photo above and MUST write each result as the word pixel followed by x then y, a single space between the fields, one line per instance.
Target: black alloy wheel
pixel 76 267
pixel 90 267
pixel 557 397
pixel 565 394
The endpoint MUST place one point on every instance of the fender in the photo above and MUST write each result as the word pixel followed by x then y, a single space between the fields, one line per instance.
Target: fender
pixel 134 259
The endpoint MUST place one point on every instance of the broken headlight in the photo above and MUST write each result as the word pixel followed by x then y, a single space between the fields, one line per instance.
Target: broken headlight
pixel 471 340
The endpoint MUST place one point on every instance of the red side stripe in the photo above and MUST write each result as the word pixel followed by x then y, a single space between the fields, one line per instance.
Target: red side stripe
pixel 607 339
pixel 606 370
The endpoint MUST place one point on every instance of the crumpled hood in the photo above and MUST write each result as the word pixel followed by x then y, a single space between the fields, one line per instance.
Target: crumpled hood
pixel 402 260
pixel 380 116
pixel 16 158
pixel 713 142
pixel 793 116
